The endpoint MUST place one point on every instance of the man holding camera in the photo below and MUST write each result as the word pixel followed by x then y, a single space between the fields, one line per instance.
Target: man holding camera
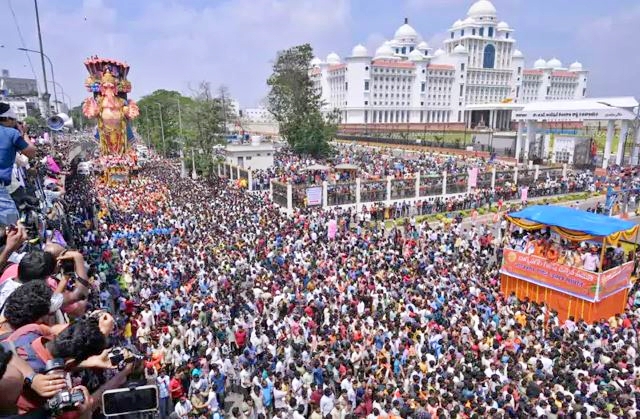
pixel 52 355
pixel 11 142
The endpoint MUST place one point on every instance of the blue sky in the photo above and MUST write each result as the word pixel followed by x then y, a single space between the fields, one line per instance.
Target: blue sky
pixel 174 44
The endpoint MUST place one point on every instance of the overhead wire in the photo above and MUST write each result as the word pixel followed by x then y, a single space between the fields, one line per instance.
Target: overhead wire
pixel 24 45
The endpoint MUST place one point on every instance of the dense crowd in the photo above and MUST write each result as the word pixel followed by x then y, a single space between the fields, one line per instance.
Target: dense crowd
pixel 300 321
pixel 366 163
pixel 243 311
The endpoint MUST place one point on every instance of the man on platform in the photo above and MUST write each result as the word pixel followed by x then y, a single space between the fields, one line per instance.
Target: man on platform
pixel 591 260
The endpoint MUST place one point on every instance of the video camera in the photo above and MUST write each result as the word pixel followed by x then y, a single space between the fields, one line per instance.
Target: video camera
pixel 65 399
pixel 120 357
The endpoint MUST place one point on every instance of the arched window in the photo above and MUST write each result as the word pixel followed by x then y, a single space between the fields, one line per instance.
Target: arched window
pixel 489 56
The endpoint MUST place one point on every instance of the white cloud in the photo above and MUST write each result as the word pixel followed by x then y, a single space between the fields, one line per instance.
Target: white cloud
pixel 419 5
pixel 609 44
pixel 172 44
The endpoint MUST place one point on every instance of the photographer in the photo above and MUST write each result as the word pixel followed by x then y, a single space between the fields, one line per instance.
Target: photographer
pixel 12 142
pixel 71 271
pixel 76 343
pixel 31 303
pixel 35 265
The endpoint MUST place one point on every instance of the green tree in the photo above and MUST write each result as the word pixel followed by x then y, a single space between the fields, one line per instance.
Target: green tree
pixel 190 123
pixel 34 119
pixel 297 105
pixel 80 122
pixel 164 111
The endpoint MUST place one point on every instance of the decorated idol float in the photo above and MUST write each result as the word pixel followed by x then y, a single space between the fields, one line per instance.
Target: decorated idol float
pixel 114 112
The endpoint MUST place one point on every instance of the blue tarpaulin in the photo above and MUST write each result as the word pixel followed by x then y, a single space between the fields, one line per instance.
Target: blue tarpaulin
pixel 573 219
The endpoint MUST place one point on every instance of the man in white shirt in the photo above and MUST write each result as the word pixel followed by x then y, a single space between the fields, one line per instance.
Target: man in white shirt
pixel 326 402
pixel 163 382
pixel 591 260
pixel 183 408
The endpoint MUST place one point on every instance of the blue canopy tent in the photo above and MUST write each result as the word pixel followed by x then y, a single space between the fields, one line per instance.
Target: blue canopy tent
pixel 572 221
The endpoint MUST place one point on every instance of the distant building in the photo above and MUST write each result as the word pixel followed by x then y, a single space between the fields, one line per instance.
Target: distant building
pixel 477 78
pixel 257 115
pixel 22 107
pixel 255 156
pixel 16 86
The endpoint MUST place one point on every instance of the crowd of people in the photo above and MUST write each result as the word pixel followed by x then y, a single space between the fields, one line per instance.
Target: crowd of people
pixel 244 311
pixel 582 255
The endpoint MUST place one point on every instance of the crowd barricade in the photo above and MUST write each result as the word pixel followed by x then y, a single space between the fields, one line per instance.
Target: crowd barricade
pixel 457 183
pixel 373 191
pixel 343 193
pixel 280 194
pixel 504 184
pixel 404 188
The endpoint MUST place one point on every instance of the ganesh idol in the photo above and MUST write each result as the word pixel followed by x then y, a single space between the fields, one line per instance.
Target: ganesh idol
pixel 113 113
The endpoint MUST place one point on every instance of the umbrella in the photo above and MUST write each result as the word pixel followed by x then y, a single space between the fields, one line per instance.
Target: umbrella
pixel 347 166
pixel 317 167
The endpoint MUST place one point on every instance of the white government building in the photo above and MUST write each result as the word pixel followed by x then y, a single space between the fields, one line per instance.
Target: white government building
pixel 477 78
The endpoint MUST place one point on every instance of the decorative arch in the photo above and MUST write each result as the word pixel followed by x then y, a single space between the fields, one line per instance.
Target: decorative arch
pixel 489 60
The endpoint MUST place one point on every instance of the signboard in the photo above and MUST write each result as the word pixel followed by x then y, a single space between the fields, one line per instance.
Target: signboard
pixel 615 280
pixel 473 177
pixel 538 270
pixel 569 280
pixel 577 115
pixel 314 196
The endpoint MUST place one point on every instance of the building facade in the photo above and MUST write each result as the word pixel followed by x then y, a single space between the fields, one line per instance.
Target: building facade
pixel 476 79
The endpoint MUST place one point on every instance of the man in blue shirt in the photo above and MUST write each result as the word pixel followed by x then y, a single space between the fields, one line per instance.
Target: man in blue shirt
pixel 11 142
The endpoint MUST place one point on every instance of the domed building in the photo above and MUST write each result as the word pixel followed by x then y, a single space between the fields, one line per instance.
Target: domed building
pixel 477 76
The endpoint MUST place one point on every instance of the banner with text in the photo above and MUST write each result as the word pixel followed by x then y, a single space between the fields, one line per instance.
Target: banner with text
pixel 615 280
pixel 538 270
pixel 314 196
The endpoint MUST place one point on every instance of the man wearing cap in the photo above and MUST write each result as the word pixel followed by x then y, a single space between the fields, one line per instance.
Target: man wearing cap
pixel 11 142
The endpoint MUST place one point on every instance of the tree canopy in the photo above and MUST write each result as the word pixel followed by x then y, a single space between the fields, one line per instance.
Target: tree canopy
pixel 297 105
pixel 189 123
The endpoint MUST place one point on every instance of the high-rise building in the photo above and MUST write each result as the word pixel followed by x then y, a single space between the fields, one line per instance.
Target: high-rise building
pixel 477 78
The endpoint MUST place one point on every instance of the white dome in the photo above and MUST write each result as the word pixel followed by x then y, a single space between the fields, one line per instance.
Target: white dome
pixel 438 52
pixel 517 54
pixel 457 24
pixel 406 31
pixel 482 8
pixel 575 66
pixel 315 62
pixel 384 51
pixel 503 26
pixel 423 46
pixel 469 21
pixel 460 49
pixel 359 51
pixel 554 63
pixel 416 55
pixel 333 58
pixel 393 43
pixel 540 63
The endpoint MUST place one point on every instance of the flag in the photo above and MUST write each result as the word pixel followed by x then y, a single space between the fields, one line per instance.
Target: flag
pixel 473 177
pixel 52 165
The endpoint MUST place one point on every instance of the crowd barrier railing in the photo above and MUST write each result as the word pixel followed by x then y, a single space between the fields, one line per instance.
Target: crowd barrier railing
pixel 418 186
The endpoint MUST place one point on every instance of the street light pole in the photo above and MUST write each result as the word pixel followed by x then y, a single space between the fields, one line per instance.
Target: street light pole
pixel 45 95
pixel 64 95
pixel 164 148
pixel 183 169
pixel 53 76
pixel 194 175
